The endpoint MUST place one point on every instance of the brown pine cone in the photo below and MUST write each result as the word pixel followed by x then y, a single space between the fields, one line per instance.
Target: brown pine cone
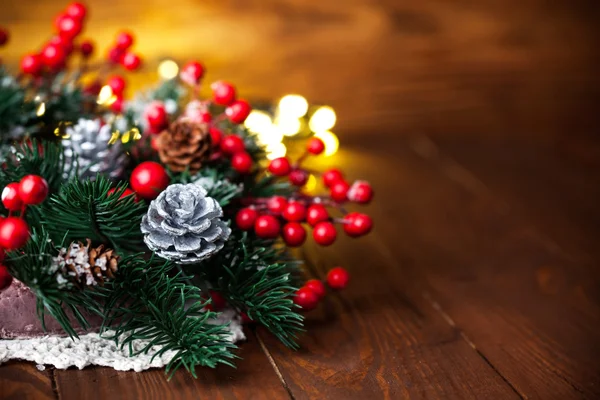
pixel 185 145
pixel 85 266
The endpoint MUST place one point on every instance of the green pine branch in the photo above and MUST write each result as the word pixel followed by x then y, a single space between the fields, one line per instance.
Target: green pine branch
pixel 33 265
pixel 86 209
pixel 149 302
pixel 258 278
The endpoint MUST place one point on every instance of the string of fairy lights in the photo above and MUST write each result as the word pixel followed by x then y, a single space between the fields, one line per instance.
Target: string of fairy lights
pixel 291 117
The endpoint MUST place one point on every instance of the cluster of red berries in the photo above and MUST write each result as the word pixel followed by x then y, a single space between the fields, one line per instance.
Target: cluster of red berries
pixel 224 95
pixel 266 217
pixel 68 26
pixel 313 291
pixel 120 52
pixel 14 231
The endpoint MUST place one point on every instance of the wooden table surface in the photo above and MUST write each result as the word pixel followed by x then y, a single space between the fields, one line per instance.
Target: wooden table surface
pixel 479 281
pixel 477 124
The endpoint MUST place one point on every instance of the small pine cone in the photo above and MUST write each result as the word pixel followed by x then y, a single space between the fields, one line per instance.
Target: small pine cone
pixel 85 266
pixel 185 144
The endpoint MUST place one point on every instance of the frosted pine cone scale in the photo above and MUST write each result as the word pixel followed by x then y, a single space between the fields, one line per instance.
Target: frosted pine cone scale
pixel 184 225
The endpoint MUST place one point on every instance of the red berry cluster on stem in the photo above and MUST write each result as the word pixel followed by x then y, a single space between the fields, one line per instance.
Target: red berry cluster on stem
pixel 14 231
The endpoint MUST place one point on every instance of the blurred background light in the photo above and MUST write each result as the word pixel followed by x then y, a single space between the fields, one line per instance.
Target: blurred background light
pixel 258 121
pixel 288 125
pixel 293 105
pixel 330 140
pixel 322 120
pixel 275 150
pixel 168 69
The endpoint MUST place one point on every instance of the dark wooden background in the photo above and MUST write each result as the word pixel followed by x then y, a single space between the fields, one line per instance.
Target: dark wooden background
pixel 476 121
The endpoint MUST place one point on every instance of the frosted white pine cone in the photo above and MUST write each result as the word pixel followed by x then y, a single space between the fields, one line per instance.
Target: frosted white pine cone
pixel 88 142
pixel 184 225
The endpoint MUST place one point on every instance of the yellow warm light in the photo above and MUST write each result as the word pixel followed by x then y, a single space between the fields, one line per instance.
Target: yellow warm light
pixel 322 120
pixel 258 121
pixel 288 126
pixel 270 136
pixel 41 110
pixel 105 96
pixel 168 69
pixel 311 184
pixel 276 150
pixel 293 105
pixel 331 142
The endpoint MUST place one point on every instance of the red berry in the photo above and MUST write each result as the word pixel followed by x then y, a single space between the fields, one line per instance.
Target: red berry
pixel 280 166
pixel 131 61
pixel 68 27
pixel 126 193
pixel 317 287
pixel 10 197
pixel 241 162
pixel 14 233
pixel 324 233
pixel 5 277
pixel 124 40
pixel 86 48
pixel 156 116
pixel 3 36
pixel 338 278
pixel 315 146
pixel 53 55
pixel 117 105
pixel 215 136
pixel 204 117
pixel 238 111
pixel 191 73
pixel 339 191
pixel 306 298
pixel 277 204
pixel 76 10
pixel 360 192
pixel 245 318
pixel 245 218
pixel 357 224
pixel 331 176
pixel 223 93
pixel 149 179
pixel 115 55
pixel 93 88
pixel 295 212
pixel 117 84
pixel 293 234
pixel 267 227
pixel 232 144
pixel 66 44
pixel 218 302
pixel 33 189
pixel 31 64
pixel 316 213
pixel 298 177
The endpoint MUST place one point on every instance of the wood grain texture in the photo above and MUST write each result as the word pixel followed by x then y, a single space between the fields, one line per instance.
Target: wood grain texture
pixel 381 338
pixel 528 307
pixel 253 378
pixel 23 381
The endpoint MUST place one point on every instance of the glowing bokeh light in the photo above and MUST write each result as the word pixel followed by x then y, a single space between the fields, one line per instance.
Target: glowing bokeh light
pixel 258 121
pixel 105 95
pixel 288 126
pixel 41 110
pixel 168 69
pixel 322 120
pixel 311 184
pixel 293 105
pixel 275 150
pixel 331 142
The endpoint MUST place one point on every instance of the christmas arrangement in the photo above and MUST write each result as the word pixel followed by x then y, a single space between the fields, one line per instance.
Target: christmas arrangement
pixel 154 223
